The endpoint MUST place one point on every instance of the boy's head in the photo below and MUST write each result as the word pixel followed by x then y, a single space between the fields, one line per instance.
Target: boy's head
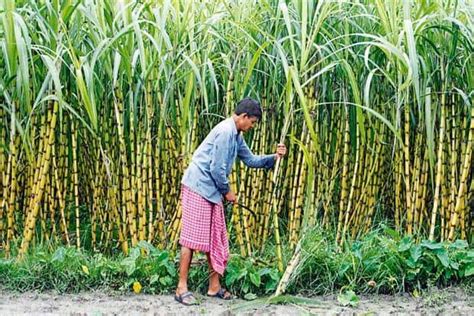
pixel 248 112
pixel 250 107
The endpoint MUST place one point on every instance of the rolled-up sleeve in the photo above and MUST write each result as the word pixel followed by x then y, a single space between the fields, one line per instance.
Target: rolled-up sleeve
pixel 254 161
pixel 218 163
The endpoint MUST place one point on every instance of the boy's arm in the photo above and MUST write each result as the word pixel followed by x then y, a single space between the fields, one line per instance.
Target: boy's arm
pixel 254 161
pixel 218 163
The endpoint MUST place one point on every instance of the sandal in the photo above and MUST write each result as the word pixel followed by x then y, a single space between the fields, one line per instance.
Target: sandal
pixel 222 294
pixel 186 298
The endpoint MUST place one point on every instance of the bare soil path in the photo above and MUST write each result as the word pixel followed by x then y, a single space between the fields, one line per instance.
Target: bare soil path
pixel 451 301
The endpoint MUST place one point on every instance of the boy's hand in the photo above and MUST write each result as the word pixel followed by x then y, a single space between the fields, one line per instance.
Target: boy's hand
pixel 231 197
pixel 281 150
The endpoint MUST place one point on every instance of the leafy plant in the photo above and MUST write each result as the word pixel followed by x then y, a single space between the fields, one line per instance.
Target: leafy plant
pixel 382 261
pixel 151 267
pixel 248 277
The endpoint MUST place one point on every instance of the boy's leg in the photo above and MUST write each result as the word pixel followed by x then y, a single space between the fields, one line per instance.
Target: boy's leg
pixel 184 263
pixel 214 280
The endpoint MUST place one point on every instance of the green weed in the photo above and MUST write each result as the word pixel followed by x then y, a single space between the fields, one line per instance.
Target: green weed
pixel 380 262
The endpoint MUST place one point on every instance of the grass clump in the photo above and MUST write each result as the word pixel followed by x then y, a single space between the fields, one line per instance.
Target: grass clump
pixel 68 269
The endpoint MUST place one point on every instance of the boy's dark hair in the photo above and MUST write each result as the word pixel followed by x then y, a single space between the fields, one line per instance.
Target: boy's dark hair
pixel 249 106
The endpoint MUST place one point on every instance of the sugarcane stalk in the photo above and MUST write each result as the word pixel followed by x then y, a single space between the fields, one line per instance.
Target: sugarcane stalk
pixel 439 168
pixel 39 189
pixel 344 179
pixel 461 192
pixel 406 156
pixel 75 182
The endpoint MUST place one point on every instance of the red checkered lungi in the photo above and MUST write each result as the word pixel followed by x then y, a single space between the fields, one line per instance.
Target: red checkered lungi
pixel 203 228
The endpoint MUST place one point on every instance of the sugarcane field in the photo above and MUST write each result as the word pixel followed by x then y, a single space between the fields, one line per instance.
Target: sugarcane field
pixel 234 157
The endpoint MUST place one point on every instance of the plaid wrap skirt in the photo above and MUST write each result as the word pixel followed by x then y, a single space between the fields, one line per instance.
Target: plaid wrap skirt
pixel 203 228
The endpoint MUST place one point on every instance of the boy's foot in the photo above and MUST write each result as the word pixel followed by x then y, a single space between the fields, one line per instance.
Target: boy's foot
pixel 186 298
pixel 222 294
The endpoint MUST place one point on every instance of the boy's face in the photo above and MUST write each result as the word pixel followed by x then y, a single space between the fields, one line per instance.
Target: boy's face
pixel 247 123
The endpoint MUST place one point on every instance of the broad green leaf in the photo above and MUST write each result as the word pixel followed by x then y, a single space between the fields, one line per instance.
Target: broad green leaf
pixel 154 278
pixel 431 244
pixel 415 252
pixel 469 270
pixel 255 279
pixel 459 244
pixel 166 280
pixel 405 244
pixel 442 256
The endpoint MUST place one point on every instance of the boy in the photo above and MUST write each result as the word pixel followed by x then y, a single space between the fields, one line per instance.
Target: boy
pixel 204 184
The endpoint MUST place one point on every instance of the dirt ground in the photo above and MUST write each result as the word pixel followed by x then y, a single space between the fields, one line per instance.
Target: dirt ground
pixel 453 301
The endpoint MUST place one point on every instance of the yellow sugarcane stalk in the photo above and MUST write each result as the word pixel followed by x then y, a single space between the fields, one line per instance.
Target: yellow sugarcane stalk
pixel 330 178
pixel 75 182
pixel 53 197
pixel 461 195
pixel 465 207
pixel 406 156
pixel 299 204
pixel 360 190
pixel 471 208
pixel 149 186
pixel 315 187
pixel 267 215
pixel 61 201
pixel 420 162
pixel 2 168
pixel 176 228
pixel 275 216
pixel 294 188
pixel 159 217
pixel 453 148
pixel 12 175
pixel 116 215
pixel 416 171
pixel 244 212
pixel 96 197
pixel 262 222
pixel 236 215
pixel 300 194
pixel 422 198
pixel 63 172
pixel 140 188
pixel 127 189
pixel 41 149
pixel 344 180
pixel 439 168
pixel 353 186
pixel 43 213
pixel 39 189
pixel 265 222
pixel 398 188
pixel 364 191
pixel 372 191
